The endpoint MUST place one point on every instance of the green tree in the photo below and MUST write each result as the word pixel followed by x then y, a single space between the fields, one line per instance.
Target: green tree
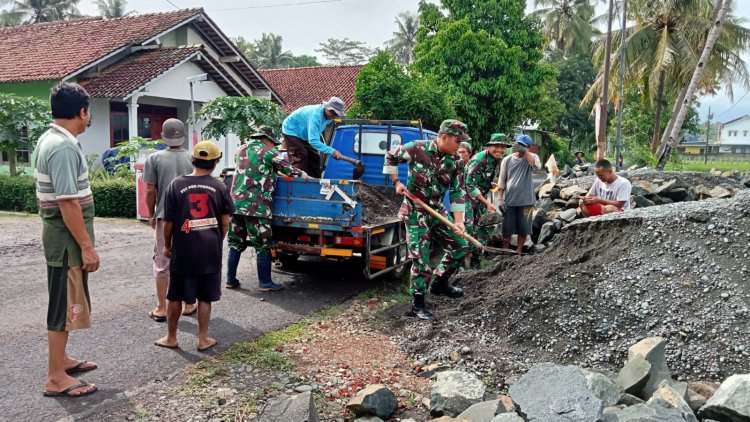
pixel 493 71
pixel 111 9
pixel 567 24
pixel 239 115
pixel 270 54
pixel 385 91
pixel 36 11
pixel 405 38
pixel 9 18
pixel 576 74
pixel 304 60
pixel 247 48
pixel 345 51
pixel 22 122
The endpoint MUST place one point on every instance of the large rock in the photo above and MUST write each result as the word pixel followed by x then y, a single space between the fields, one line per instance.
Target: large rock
pixel 603 388
pixel 369 419
pixel 665 187
pixel 454 392
pixel 642 413
pixel 653 350
pixel 695 400
pixel 568 215
pixel 642 202
pixel 480 412
pixel 677 195
pixel 675 399
pixel 375 400
pixel 701 192
pixel 646 186
pixel 547 232
pixel 507 417
pixel 639 191
pixel 634 375
pixel 719 192
pixel 572 192
pixel 544 190
pixel 300 408
pixel 552 393
pixel 705 389
pixel 731 402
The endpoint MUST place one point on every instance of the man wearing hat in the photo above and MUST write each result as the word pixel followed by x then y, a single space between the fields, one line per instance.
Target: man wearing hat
pixel 434 168
pixel 197 208
pixel 258 163
pixel 479 176
pixel 516 188
pixel 302 130
pixel 160 169
pixel 580 158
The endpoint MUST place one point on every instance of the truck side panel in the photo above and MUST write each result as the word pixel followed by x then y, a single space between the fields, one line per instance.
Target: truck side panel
pixel 302 203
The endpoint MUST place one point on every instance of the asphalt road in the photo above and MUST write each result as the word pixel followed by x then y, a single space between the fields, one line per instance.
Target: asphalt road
pixel 121 340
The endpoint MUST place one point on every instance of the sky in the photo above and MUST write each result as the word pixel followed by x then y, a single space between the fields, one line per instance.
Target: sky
pixel 303 24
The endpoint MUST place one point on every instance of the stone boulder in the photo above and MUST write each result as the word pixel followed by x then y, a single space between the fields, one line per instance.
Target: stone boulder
pixel 454 392
pixel 552 393
pixel 720 192
pixel 448 419
pixel 731 402
pixel 675 399
pixel 652 349
pixel 677 195
pixel 480 412
pixel 572 192
pixel 634 375
pixel 375 400
pixel 642 413
pixel 369 419
pixel 568 215
pixel 642 202
pixel 300 408
pixel 603 388
pixel 546 233
pixel 507 417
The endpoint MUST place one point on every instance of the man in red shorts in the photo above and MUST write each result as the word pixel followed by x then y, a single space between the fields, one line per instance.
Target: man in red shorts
pixel 609 193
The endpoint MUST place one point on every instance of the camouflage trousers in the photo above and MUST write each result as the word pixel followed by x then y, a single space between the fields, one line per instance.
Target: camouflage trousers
pixel 474 213
pixel 247 231
pixel 422 232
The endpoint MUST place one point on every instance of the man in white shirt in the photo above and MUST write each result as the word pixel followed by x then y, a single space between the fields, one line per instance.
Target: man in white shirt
pixel 609 193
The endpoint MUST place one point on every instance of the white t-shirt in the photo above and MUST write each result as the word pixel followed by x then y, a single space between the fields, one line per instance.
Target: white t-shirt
pixel 619 190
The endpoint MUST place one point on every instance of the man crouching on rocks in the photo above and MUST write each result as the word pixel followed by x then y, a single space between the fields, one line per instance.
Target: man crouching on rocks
pixel 610 193
pixel 434 167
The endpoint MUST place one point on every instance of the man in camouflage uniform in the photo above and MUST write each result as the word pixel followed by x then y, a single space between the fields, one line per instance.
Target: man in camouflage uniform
pixel 258 162
pixel 434 167
pixel 479 175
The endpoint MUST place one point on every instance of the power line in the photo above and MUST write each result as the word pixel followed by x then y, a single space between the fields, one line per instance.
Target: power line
pixel 175 6
pixel 737 102
pixel 276 5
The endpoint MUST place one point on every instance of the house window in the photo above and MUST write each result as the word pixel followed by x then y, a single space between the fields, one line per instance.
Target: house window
pixel 119 128
pixel 376 143
pixel 22 156
pixel 744 133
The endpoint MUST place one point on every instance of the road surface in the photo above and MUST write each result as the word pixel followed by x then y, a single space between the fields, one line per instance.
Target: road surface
pixel 122 292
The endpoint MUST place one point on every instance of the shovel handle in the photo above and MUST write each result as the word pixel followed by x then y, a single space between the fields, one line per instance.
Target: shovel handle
pixel 350 160
pixel 442 218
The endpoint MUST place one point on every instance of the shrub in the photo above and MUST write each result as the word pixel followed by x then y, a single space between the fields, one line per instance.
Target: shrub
pixel 112 197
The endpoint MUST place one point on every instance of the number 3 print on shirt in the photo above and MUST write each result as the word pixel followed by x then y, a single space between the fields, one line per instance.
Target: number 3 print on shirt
pixel 198 204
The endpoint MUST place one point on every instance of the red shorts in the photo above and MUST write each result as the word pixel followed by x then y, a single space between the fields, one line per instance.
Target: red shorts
pixel 596 209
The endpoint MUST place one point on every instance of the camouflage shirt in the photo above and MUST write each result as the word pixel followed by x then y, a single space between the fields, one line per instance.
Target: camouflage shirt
pixel 431 174
pixel 479 174
pixel 255 178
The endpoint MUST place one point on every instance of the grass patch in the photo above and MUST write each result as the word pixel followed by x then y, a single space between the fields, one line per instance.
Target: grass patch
pixel 685 165
pixel 394 292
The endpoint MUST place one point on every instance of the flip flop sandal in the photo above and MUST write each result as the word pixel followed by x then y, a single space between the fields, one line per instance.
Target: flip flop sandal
pixel 166 346
pixel 81 368
pixel 232 286
pixel 193 312
pixel 157 318
pixel 67 392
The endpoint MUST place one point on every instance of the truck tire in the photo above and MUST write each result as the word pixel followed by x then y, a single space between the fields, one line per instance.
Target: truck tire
pixel 288 259
pixel 390 260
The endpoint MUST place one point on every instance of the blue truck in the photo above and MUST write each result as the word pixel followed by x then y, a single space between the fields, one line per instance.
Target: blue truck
pixel 340 218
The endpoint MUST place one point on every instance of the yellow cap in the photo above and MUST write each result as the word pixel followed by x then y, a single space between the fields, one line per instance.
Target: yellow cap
pixel 206 150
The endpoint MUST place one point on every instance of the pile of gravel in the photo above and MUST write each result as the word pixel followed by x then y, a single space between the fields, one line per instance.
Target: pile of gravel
pixel 380 204
pixel 678 271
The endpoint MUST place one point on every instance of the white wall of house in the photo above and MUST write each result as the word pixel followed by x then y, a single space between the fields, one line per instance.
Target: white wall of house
pixel 736 133
pixel 173 85
pixel 96 138
pixel 194 38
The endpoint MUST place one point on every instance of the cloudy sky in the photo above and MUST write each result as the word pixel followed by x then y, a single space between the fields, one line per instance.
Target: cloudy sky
pixel 305 23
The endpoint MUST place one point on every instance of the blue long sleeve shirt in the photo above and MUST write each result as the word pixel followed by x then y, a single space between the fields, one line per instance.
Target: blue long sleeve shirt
pixel 308 123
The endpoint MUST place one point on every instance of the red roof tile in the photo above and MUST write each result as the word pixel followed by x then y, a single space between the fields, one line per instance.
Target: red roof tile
pixel 302 86
pixel 56 49
pixel 135 71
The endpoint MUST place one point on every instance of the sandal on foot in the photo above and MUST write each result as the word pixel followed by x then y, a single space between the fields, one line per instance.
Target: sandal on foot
pixel 157 318
pixel 68 392
pixel 81 368
pixel 193 312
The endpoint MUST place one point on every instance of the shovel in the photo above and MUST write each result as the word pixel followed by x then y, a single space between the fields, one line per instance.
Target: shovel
pixel 359 168
pixel 478 244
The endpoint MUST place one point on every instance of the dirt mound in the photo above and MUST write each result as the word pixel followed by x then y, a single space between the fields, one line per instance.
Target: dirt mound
pixel 380 204
pixel 679 271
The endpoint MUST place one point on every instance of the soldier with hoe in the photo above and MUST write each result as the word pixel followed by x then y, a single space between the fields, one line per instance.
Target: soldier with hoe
pixel 479 176
pixel 434 168
pixel 258 162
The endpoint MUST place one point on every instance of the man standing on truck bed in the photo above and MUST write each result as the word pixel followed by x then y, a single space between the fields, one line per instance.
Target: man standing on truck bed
pixel 434 167
pixel 258 162
pixel 479 176
pixel 302 130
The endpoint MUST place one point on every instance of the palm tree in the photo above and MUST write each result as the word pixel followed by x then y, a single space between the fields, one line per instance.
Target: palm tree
pixel 36 11
pixel 663 47
pixel 270 54
pixel 10 18
pixel 567 23
pixel 403 41
pixel 111 9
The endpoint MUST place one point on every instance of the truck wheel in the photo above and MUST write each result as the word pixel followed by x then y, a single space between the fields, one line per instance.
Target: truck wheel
pixel 288 259
pixel 390 259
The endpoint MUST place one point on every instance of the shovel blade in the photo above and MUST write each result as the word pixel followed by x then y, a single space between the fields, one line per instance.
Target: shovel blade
pixel 359 171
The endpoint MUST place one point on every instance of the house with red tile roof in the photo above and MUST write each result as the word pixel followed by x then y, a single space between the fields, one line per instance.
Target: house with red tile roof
pixel 136 69
pixel 303 86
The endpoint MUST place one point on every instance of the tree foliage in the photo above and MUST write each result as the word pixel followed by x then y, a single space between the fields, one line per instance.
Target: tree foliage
pixel 345 51
pixel 111 9
pixel 567 24
pixel 385 91
pixel 36 11
pixel 22 122
pixel 576 74
pixel 489 55
pixel 268 53
pixel 405 38
pixel 239 115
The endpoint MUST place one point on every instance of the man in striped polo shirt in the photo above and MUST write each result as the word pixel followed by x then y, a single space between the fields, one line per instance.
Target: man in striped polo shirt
pixel 66 206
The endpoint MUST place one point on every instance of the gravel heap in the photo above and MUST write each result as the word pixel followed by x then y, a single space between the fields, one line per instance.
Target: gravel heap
pixel 678 271
pixel 380 204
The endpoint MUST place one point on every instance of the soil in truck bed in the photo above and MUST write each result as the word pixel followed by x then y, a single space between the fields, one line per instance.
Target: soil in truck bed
pixel 380 204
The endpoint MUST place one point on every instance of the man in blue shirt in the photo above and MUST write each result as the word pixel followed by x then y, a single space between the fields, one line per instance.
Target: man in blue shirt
pixel 302 130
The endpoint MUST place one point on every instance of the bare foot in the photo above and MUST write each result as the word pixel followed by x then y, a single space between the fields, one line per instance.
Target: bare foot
pixel 169 343
pixel 188 310
pixel 206 344
pixel 54 385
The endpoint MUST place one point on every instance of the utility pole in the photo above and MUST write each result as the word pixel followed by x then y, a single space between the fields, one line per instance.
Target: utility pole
pixel 601 141
pixel 708 135
pixel 618 149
